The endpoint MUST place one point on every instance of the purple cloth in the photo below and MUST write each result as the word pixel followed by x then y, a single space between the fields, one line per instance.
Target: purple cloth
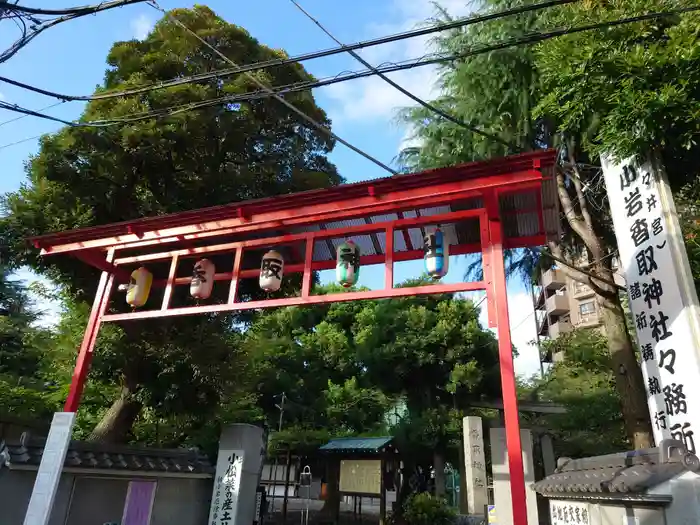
pixel 139 500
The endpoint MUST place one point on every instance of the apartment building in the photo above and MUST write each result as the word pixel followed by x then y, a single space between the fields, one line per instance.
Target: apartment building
pixel 562 304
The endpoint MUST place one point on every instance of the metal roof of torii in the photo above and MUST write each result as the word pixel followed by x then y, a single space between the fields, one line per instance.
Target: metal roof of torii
pixel 529 216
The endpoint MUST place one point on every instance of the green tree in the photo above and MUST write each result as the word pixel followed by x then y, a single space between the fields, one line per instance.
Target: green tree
pixel 85 176
pixel 583 382
pixel 432 352
pixel 629 90
pixel 19 354
pixel 23 345
pixel 310 354
pixel 344 367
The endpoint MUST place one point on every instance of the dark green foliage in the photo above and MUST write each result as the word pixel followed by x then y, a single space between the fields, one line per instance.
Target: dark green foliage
pixel 583 382
pixel 426 509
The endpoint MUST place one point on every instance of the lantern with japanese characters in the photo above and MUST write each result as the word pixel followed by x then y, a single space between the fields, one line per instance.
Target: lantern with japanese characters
pixel 139 287
pixel 347 264
pixel 436 254
pixel 271 271
pixel 202 279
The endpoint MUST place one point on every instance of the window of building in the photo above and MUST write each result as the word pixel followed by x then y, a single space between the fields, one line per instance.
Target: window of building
pixel 587 308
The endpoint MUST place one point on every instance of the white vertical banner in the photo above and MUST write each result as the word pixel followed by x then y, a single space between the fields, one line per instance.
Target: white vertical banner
pixel 49 474
pixel 474 465
pixel 227 485
pixel 655 265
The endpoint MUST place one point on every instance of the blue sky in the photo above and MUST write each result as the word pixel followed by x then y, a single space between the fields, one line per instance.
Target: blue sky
pixel 70 58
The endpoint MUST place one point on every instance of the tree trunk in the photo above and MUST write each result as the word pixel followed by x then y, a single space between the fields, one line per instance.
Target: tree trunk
pixel 331 507
pixel 628 375
pixel 115 426
pixel 439 466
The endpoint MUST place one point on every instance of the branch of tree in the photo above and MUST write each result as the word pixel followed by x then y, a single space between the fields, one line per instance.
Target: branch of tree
pixel 581 276
pixel 585 213
pixel 584 230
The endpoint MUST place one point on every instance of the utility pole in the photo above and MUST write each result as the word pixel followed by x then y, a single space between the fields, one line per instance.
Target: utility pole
pixel 279 429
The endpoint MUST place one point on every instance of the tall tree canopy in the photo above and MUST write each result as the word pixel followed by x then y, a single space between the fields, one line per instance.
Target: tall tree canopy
pixel 628 89
pixel 85 176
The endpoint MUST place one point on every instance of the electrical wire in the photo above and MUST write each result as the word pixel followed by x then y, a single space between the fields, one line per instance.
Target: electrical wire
pixel 9 145
pixel 255 95
pixel 403 90
pixel 306 85
pixel 522 321
pixel 83 10
pixel 31 113
pixel 457 24
pixel 15 119
pixel 320 127
pixel 39 26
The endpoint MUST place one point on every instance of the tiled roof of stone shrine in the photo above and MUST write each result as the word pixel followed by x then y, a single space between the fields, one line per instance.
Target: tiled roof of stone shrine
pixel 624 474
pixel 96 456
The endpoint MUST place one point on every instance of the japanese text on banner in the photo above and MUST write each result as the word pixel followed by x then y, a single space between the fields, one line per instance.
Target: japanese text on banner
pixel 668 358
pixel 569 513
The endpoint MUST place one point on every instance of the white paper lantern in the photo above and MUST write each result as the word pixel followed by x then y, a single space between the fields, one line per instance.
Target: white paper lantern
pixel 202 279
pixel 271 271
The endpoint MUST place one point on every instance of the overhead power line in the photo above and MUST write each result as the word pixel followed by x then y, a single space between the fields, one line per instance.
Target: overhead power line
pixel 82 10
pixel 32 113
pixel 37 26
pixel 457 24
pixel 406 92
pixel 15 119
pixel 22 141
pixel 320 127
pixel 306 85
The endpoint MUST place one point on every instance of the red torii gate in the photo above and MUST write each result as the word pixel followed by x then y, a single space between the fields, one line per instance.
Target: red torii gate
pixel 483 207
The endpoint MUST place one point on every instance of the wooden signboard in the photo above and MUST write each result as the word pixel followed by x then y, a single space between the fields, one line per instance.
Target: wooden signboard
pixel 361 476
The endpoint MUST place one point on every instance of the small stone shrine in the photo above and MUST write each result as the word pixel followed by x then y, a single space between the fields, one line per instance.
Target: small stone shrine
pixel 657 486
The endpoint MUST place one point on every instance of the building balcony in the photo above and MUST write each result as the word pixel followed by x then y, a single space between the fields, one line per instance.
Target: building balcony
pixel 557 304
pixel 558 328
pixel 553 279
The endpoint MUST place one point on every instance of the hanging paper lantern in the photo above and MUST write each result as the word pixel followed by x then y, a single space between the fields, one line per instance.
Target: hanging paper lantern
pixel 436 254
pixel 271 271
pixel 139 287
pixel 347 264
pixel 202 279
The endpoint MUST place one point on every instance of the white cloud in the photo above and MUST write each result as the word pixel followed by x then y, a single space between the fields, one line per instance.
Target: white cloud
pixel 523 331
pixel 141 26
pixel 374 99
